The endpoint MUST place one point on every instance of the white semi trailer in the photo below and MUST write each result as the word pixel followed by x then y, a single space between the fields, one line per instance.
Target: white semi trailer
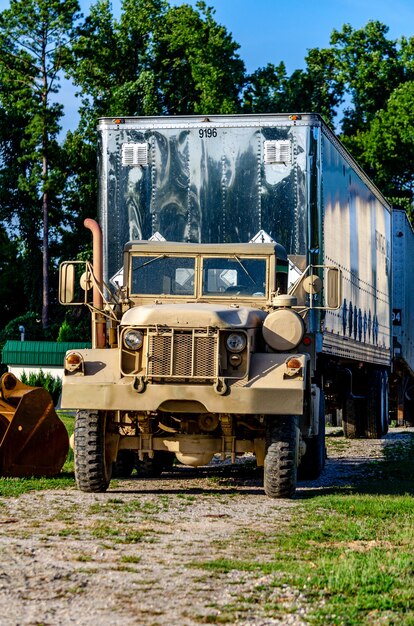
pixel 254 296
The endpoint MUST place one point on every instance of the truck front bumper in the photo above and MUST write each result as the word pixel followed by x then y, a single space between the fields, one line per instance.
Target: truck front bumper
pixel 268 391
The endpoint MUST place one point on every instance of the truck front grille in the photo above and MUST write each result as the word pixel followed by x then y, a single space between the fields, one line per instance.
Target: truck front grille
pixel 182 354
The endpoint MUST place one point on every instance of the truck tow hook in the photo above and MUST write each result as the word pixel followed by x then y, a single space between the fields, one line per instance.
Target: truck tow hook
pixel 139 384
pixel 220 386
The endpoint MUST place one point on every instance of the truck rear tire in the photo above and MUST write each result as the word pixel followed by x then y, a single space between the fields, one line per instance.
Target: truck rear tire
pixel 124 464
pixel 92 467
pixel 376 405
pixel 153 468
pixel 280 472
pixel 313 461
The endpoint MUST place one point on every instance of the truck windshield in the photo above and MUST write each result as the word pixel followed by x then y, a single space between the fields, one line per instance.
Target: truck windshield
pixel 162 275
pixel 231 276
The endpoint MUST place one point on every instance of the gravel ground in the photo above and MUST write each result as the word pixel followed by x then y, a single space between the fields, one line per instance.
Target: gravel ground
pixel 130 556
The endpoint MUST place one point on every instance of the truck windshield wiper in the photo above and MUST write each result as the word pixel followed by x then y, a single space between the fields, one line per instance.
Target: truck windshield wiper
pixel 156 258
pixel 244 269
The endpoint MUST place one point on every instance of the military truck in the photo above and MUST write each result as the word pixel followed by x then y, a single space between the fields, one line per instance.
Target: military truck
pixel 254 297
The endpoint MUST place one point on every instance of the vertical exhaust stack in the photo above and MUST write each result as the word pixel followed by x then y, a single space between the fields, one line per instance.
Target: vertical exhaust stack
pixel 98 324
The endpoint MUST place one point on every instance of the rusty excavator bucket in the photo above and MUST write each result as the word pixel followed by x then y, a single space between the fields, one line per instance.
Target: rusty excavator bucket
pixel 33 440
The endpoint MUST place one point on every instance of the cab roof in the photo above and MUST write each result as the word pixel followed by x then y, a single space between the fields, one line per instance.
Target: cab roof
pixel 229 249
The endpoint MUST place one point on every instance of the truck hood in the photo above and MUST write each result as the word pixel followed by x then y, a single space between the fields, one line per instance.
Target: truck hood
pixel 194 316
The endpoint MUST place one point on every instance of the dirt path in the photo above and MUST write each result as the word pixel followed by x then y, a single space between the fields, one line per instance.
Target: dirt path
pixel 133 555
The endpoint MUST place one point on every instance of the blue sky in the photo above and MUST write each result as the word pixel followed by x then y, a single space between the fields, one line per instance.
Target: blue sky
pixel 274 31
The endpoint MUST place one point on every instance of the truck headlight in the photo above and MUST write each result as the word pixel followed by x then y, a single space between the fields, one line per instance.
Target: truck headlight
pixel 133 339
pixel 236 342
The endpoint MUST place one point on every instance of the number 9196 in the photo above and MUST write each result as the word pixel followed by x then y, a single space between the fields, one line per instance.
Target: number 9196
pixel 207 133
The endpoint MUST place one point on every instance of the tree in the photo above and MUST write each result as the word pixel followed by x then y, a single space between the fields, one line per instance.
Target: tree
pixel 265 89
pixel 376 75
pixel 12 273
pixel 369 68
pixel 20 225
pixel 315 89
pixel 112 62
pixel 196 63
pixel 34 38
pixel 387 148
pixel 326 93
pixel 156 59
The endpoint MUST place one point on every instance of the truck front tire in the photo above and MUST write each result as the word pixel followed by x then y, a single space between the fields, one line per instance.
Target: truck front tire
pixel 93 469
pixel 280 472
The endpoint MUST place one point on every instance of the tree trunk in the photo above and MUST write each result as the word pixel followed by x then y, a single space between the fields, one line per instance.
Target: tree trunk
pixel 45 207
pixel 45 264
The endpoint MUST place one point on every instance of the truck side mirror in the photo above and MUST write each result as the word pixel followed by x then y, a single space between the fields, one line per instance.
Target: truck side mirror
pixel 67 283
pixel 333 288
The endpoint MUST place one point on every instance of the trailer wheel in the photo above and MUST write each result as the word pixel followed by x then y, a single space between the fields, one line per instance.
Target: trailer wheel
pixel 350 418
pixel 93 468
pixel 408 403
pixel 313 461
pixel 280 457
pixel 408 412
pixel 376 405
pixel 124 464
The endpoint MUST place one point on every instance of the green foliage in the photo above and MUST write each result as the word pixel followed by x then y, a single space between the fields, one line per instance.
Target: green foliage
pixel 52 384
pixel 32 325
pixel 271 90
pixel 369 67
pixel 197 64
pixel 11 272
pixel 34 38
pixel 377 74
pixel 76 326
pixel 179 61
pixel 65 332
pixel 386 149
pixel 108 84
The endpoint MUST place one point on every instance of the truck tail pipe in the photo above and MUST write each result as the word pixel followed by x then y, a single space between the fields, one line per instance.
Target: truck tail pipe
pixel 99 334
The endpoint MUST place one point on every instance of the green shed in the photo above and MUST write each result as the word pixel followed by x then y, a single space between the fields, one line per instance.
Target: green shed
pixel 33 356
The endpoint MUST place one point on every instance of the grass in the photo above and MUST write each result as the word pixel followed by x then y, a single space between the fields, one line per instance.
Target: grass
pixel 121 509
pixel 349 554
pixel 120 533
pixel 130 558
